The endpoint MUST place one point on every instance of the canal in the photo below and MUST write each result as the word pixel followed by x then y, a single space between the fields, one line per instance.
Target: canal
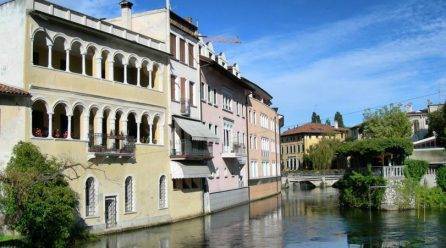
pixel 294 219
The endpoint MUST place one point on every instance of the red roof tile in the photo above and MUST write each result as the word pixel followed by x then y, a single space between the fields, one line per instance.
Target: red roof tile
pixel 314 128
pixel 9 90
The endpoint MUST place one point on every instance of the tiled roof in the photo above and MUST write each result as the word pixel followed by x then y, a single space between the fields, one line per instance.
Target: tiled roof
pixel 314 128
pixel 9 90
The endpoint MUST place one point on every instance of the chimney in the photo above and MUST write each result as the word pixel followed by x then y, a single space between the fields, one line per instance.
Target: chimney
pixel 126 13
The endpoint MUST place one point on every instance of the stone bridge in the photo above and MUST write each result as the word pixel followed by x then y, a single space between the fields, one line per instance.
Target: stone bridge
pixel 315 178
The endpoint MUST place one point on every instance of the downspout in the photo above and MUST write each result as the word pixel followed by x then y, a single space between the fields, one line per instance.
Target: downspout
pixel 248 145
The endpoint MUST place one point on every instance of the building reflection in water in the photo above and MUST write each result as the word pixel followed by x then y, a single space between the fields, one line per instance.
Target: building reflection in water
pixel 258 224
pixel 294 219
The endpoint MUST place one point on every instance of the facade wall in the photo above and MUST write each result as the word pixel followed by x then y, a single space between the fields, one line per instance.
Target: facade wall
pixel 226 199
pixel 228 173
pixel 12 128
pixel 262 189
pixel 256 109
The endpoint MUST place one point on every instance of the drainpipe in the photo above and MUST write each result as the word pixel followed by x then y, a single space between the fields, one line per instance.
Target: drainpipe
pixel 248 145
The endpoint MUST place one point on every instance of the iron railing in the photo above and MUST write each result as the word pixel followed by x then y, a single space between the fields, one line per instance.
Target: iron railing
pixel 194 150
pixel 111 144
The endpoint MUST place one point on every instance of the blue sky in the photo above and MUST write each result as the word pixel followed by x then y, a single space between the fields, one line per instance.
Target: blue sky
pixel 324 55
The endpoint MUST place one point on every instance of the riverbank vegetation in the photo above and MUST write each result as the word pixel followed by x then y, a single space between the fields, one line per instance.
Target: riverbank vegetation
pixel 37 201
pixel 361 189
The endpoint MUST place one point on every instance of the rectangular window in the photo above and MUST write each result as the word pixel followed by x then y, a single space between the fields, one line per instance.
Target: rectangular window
pixel 202 92
pixel 183 89
pixel 172 88
pixel 210 95
pixel 173 45
pixel 182 51
pixel 191 55
pixel 215 97
pixel 191 93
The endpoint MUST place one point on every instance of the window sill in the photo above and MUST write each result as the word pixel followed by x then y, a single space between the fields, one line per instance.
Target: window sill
pixel 163 208
pixel 215 105
pixel 228 111
pixel 183 63
pixel 175 101
pixel 130 213
pixel 92 217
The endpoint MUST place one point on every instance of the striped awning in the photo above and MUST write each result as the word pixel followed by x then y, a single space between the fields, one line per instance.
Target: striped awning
pixel 196 129
pixel 180 170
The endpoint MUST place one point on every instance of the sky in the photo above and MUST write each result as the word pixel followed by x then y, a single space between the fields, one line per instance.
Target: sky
pixel 323 56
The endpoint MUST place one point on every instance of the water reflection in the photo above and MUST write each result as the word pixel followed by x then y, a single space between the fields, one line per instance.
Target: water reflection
pixel 294 219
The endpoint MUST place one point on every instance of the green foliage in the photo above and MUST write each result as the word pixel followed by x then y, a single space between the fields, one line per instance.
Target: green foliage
pixel 322 154
pixel 415 169
pixel 387 122
pixel 437 124
pixel 315 118
pixel 327 122
pixel 355 190
pixel 37 201
pixel 441 178
pixel 338 117
pixel 410 194
pixel 367 150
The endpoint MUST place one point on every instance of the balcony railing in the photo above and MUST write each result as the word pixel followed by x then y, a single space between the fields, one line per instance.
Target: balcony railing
pixel 185 106
pixel 235 151
pixel 192 150
pixel 117 145
pixel 389 172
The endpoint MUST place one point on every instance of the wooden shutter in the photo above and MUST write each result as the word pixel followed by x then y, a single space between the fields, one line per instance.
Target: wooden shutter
pixel 172 88
pixel 183 88
pixel 191 55
pixel 173 45
pixel 182 51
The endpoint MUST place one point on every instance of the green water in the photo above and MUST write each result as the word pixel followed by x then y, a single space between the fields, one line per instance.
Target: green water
pixel 294 219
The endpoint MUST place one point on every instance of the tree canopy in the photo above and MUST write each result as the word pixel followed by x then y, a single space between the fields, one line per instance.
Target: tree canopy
pixel 323 153
pixel 387 122
pixel 339 119
pixel 327 122
pixel 437 125
pixel 37 200
pixel 315 118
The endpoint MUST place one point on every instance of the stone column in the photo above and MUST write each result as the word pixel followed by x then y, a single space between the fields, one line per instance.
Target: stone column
pixel 69 126
pixel 99 67
pixel 83 64
pixel 150 134
pixel 50 125
pixel 138 132
pixel 97 129
pixel 138 76
pixel 86 129
pixel 125 74
pixel 149 86
pixel 67 60
pixel 111 74
pixel 50 56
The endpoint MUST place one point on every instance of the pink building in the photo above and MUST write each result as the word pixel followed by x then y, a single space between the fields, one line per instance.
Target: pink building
pixel 223 101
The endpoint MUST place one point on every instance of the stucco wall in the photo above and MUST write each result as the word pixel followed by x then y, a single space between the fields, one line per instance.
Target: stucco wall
pixel 12 125
pixel 12 33
pixel 227 199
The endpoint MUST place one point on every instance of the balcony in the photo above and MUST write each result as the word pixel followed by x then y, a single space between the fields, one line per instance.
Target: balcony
pixel 185 106
pixel 192 150
pixel 237 150
pixel 111 145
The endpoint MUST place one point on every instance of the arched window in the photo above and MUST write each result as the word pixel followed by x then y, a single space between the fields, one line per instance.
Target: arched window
pixel 76 57
pixel 40 49
pixel 155 131
pixel 39 119
pixel 416 126
pixel 60 121
pixel 145 74
pixel 118 69
pixel 163 192
pixel 59 54
pixel 129 194
pixel 90 62
pixel 132 127
pixel 132 71
pixel 90 197
pixel 76 122
pixel 145 129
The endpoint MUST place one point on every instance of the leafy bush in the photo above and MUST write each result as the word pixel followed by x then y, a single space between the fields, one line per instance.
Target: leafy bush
pixel 355 189
pixel 441 178
pixel 410 194
pixel 415 169
pixel 37 201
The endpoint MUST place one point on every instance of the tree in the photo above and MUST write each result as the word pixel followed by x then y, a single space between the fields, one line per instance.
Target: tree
pixel 437 125
pixel 323 153
pixel 315 118
pixel 37 200
pixel 339 119
pixel 387 122
pixel 328 122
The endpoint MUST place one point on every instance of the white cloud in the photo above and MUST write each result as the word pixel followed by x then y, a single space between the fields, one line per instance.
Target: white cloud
pixel 387 55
